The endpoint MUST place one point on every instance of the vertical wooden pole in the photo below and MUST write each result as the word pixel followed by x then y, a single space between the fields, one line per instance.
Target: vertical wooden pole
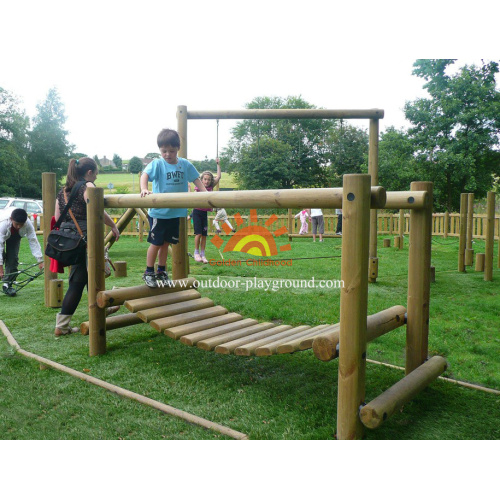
pixel 469 252
pixel 401 228
pixel 353 304
pixel 290 224
pixel 373 172
pixel 463 232
pixel 490 234
pixel 446 223
pixel 179 251
pixel 95 255
pixel 419 263
pixel 49 208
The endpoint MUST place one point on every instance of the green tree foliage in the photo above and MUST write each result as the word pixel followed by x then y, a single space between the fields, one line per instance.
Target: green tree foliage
pixel 152 155
pixel 117 160
pixel 205 164
pixel 346 147
pixel 135 165
pixel 254 151
pixel 455 130
pixel 397 164
pixel 50 149
pixel 13 146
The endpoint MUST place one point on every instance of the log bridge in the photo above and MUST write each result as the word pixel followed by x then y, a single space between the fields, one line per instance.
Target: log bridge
pixel 182 314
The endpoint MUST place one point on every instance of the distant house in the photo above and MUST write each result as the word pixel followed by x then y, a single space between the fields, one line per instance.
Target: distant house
pixel 145 163
pixel 106 163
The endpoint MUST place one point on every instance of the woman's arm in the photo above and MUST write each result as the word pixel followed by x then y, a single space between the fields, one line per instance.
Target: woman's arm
pixel 57 213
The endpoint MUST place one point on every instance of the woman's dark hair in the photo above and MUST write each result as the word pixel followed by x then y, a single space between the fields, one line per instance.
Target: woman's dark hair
pixel 168 137
pixel 77 170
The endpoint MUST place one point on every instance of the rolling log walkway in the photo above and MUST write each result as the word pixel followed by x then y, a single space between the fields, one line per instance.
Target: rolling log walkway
pixel 183 314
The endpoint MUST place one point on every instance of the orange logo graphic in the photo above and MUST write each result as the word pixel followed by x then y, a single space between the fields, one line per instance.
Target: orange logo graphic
pixel 252 239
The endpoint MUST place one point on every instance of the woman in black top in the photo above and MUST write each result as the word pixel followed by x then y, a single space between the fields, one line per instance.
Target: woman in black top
pixel 78 170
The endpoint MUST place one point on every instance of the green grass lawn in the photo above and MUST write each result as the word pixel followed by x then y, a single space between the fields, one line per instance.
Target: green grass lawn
pixel 280 397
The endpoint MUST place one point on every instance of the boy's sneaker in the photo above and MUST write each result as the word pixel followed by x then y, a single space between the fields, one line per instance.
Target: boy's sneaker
pixel 163 276
pixel 150 280
pixel 339 233
pixel 197 257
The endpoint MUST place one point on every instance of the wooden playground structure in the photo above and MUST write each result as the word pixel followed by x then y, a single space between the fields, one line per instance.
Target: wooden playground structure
pixel 182 314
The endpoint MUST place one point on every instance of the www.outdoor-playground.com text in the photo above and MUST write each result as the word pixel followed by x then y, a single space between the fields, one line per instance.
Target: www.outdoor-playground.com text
pixel 254 283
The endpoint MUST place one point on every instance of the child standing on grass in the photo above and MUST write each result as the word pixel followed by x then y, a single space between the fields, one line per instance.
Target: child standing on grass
pixel 220 219
pixel 304 215
pixel 200 215
pixel 169 174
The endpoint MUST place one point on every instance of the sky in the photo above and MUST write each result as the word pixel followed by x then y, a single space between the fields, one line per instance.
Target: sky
pixel 122 68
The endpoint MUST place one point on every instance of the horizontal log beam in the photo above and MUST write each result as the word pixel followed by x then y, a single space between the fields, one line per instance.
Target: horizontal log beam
pixel 281 198
pixel 382 407
pixel 325 345
pixel 288 114
pixel 398 200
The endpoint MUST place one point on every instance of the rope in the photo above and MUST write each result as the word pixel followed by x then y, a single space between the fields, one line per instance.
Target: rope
pixel 217 154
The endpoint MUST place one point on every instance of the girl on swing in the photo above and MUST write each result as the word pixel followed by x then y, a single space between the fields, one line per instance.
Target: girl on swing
pixel 200 215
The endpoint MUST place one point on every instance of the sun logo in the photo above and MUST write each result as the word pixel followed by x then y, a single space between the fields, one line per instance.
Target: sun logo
pixel 252 239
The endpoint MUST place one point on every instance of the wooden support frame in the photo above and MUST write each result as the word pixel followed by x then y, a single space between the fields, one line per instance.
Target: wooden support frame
pixel 49 208
pixel 95 256
pixel 353 304
pixel 419 263
pixel 463 232
pixel 490 236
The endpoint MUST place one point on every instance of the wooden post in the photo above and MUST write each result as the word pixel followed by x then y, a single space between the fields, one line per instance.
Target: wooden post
pixel 490 234
pixel 469 252
pixel 401 229
pixel 95 249
pixel 387 242
pixel 373 172
pixel 49 208
pixel 290 224
pixel 56 293
pixel 179 251
pixel 433 274
pixel 419 263
pixel 353 304
pixel 446 223
pixel 480 262
pixel 120 268
pixel 463 232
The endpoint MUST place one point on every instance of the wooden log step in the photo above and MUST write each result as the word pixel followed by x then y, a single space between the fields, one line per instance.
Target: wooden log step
pixel 179 332
pixel 272 347
pixel 148 315
pixel 227 338
pixel 190 317
pixel 217 330
pixel 295 343
pixel 325 344
pixel 118 296
pixel 383 406
pixel 229 347
pixel 161 300
pixel 308 342
pixel 249 349
pixel 113 322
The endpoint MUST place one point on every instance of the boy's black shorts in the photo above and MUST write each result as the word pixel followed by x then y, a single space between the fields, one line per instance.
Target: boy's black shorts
pixel 200 222
pixel 163 231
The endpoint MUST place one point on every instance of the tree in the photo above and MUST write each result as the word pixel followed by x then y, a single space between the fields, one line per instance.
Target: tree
pixel 397 164
pixel 455 130
pixel 346 148
pixel 14 173
pixel 117 160
pixel 135 165
pixel 205 164
pixel 152 155
pixel 304 162
pixel 50 148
